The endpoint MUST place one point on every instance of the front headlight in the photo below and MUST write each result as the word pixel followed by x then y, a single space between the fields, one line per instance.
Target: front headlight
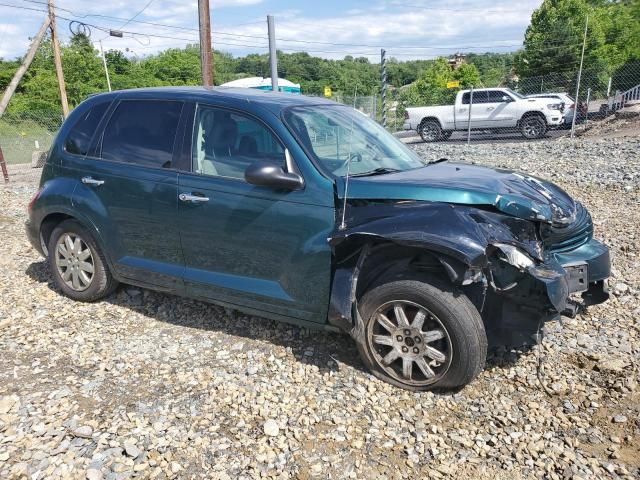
pixel 515 256
pixel 554 106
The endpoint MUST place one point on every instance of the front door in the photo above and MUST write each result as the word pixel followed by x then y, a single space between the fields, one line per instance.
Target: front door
pixel 501 110
pixel 245 245
pixel 128 190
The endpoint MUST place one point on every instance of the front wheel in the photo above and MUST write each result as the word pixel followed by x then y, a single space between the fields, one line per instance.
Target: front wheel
pixel 533 126
pixel 421 335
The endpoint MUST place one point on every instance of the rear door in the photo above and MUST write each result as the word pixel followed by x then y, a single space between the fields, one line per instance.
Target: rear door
pixel 127 187
pixel 475 102
pixel 247 245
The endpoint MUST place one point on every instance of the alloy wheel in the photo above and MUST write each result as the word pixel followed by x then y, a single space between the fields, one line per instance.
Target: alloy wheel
pixel 533 127
pixel 74 261
pixel 409 343
pixel 429 132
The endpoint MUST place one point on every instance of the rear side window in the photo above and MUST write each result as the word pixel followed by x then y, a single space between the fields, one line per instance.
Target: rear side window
pixel 478 97
pixel 142 132
pixel 79 139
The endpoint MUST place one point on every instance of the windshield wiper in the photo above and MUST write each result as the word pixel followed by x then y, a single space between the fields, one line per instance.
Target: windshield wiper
pixel 376 171
pixel 432 162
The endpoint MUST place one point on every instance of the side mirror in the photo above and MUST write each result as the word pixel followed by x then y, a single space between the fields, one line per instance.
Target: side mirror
pixel 507 98
pixel 268 174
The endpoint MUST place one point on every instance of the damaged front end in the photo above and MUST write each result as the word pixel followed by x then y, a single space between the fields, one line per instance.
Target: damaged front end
pixel 518 272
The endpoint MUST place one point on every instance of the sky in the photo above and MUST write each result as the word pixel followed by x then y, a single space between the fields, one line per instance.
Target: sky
pixel 327 28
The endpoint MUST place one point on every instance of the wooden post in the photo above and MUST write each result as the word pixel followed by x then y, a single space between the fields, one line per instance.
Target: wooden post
pixel 205 43
pixel 3 165
pixel 58 61
pixel 8 93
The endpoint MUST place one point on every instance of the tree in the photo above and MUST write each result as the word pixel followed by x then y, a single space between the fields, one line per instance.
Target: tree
pixel 553 40
pixel 431 87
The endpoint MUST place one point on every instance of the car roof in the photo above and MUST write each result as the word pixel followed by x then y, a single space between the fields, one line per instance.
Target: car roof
pixel 274 101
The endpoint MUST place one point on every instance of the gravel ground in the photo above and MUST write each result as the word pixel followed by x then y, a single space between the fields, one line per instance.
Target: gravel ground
pixel 153 386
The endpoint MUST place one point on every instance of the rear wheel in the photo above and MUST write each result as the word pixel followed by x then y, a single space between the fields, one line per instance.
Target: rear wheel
pixel 77 263
pixel 421 334
pixel 533 126
pixel 430 130
pixel 446 134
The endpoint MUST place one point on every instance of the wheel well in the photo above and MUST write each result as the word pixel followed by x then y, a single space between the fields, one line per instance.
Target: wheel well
pixel 533 114
pixel 387 259
pixel 434 119
pixel 49 223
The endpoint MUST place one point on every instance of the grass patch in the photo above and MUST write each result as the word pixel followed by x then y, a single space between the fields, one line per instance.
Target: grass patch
pixel 18 138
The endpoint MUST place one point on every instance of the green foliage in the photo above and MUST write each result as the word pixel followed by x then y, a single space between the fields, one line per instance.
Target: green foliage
pixel 553 41
pixel 431 87
pixel 549 61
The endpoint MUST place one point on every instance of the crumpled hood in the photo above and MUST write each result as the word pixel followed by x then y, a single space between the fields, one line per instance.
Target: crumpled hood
pixel 512 193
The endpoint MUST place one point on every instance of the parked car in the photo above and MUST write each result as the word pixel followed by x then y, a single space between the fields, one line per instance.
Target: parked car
pixel 491 109
pixel 224 195
pixel 568 106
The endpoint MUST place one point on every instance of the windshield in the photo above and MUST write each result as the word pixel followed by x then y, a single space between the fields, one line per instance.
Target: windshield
pixel 515 94
pixel 335 134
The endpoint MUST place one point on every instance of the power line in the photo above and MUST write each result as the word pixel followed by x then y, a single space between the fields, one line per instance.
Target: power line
pixel 134 34
pixel 137 14
pixel 291 40
pixel 111 17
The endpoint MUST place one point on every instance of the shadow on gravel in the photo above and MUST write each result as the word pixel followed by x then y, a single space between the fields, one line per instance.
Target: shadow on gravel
pixel 326 350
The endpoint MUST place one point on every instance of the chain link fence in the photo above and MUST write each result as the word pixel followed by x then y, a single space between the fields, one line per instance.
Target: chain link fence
pixel 25 139
pixel 598 99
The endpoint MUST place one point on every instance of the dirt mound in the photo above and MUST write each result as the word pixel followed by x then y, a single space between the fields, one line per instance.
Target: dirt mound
pixel 625 123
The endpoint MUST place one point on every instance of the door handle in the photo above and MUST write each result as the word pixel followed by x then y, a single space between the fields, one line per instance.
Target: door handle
pixel 185 197
pixel 491 108
pixel 92 181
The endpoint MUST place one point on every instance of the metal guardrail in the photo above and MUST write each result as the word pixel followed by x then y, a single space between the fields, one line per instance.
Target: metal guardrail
pixel 619 100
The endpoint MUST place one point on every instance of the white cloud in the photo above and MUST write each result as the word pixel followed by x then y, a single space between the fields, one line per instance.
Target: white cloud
pixel 441 25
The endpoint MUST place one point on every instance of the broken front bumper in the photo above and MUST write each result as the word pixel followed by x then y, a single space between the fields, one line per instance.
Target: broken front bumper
pixel 583 270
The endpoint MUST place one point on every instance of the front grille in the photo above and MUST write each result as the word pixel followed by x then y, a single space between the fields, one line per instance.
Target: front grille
pixel 570 237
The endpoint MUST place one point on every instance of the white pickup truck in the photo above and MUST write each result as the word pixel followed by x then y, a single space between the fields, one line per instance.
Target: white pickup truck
pixel 491 109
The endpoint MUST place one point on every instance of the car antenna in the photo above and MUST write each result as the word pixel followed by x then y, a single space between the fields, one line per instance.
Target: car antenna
pixel 343 225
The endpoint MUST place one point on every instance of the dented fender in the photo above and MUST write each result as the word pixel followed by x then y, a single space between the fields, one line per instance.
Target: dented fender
pixel 465 240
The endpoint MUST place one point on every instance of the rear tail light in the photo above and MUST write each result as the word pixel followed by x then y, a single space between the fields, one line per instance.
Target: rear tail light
pixel 33 200
pixel 406 115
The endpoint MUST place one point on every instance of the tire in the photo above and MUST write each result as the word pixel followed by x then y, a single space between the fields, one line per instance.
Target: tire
pixel 533 126
pixel 69 261
pixel 446 134
pixel 453 323
pixel 430 131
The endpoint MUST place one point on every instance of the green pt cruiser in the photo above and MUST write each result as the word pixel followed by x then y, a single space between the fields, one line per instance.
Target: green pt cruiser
pixel 306 211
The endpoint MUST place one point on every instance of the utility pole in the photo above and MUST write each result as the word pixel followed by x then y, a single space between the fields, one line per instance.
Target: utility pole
pixel 273 53
pixel 469 116
pixel 586 113
pixel 104 62
pixel 206 65
pixel 575 112
pixel 8 93
pixel 57 60
pixel 383 85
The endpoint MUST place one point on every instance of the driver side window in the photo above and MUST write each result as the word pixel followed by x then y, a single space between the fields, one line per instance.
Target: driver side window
pixel 225 143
